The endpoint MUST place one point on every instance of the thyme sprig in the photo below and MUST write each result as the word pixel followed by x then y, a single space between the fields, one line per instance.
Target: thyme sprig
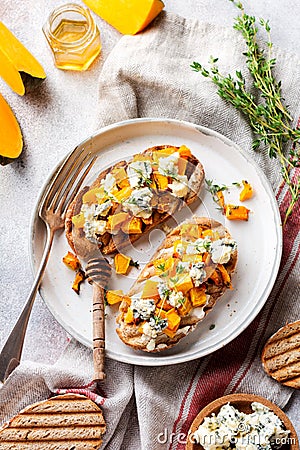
pixel 269 118
pixel 214 188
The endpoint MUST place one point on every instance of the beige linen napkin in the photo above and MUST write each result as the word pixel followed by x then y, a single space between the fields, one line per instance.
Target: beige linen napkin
pixel 150 408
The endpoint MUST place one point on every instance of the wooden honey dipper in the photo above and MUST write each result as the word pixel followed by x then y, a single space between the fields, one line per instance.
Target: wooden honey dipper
pixel 98 272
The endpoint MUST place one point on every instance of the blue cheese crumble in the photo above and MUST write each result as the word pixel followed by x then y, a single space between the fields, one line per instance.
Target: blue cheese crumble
pixel 197 273
pixel 230 428
pixel 176 299
pixel 179 186
pixel 139 203
pixel 163 290
pixel 168 166
pixel 92 226
pixel 108 183
pixel 222 249
pixel 151 330
pixel 142 309
pixel 139 173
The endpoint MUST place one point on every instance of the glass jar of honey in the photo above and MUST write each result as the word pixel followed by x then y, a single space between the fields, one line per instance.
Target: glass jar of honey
pixel 73 37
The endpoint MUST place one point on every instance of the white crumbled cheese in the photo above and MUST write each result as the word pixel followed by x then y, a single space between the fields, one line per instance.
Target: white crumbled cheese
pixel 199 246
pixel 197 273
pixel 104 207
pixel 182 267
pixel 93 226
pixel 236 430
pixel 199 310
pixel 151 333
pixel 221 250
pixel 163 290
pixel 179 186
pixel 168 166
pixel 139 172
pixel 151 345
pixel 176 299
pixel 108 183
pixel 203 245
pixel 151 329
pixel 139 203
pixel 142 308
pixel 191 249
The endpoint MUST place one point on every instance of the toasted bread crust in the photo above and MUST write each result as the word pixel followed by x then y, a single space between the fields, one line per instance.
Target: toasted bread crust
pixel 60 423
pixel 281 355
pixel 129 333
pixel 110 244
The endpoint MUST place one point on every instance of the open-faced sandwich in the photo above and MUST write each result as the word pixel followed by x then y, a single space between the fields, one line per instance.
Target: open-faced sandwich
pixel 179 286
pixel 134 196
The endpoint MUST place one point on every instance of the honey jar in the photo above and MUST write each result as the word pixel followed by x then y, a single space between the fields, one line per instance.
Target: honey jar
pixel 73 37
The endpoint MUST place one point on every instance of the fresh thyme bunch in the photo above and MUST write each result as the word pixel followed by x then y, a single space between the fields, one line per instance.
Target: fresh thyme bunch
pixel 269 119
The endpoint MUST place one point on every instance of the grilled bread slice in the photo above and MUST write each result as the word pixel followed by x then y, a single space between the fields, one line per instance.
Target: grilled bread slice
pixel 130 198
pixel 179 286
pixel 281 355
pixel 69 421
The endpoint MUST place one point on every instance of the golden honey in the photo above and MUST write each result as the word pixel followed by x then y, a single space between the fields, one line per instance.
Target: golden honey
pixel 73 37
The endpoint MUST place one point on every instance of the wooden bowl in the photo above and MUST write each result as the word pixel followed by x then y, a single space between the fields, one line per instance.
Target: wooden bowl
pixel 242 402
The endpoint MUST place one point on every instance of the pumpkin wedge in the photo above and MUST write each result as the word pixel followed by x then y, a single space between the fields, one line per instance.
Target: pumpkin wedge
pixel 128 17
pixel 11 142
pixel 18 67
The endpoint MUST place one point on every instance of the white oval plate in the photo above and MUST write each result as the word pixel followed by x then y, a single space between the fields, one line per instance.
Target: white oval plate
pixel 259 242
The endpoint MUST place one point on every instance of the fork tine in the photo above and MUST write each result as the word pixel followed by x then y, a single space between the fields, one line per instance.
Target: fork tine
pixel 69 179
pixel 64 169
pixel 63 205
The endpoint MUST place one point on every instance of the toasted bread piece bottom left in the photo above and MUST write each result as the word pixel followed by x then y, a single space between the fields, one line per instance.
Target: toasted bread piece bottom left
pixel 64 422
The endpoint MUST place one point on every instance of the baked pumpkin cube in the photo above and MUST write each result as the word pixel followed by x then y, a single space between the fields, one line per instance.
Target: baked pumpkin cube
pixel 114 297
pixel 234 212
pixel 173 320
pixel 115 221
pixel 132 226
pixel 123 194
pixel 71 261
pixel 186 307
pixel 122 263
pixel 225 275
pixel 184 151
pixel 198 296
pixel 129 316
pixel 184 284
pixel 247 191
pixel 161 181
pixel 120 176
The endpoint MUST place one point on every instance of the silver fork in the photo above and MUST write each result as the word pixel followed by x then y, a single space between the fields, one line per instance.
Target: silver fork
pixel 62 188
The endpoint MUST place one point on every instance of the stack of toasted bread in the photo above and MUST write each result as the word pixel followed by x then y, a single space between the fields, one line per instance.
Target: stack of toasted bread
pixel 64 422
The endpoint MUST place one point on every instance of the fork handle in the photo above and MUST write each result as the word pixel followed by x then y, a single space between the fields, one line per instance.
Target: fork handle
pixel 98 332
pixel 11 353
